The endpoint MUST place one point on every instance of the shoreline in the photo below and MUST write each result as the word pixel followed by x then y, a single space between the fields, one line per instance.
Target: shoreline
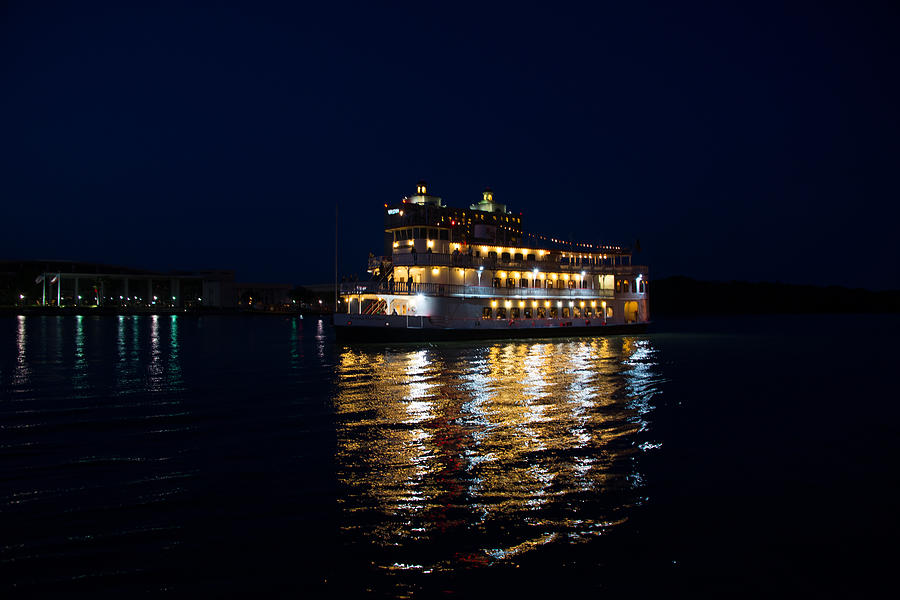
pixel 85 311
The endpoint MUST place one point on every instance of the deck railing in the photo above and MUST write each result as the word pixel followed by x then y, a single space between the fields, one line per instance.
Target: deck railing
pixel 468 291
pixel 429 259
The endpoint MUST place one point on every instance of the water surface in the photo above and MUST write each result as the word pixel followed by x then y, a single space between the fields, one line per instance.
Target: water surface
pixel 227 456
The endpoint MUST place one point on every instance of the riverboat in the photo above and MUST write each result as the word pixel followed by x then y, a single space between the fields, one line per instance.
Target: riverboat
pixel 454 273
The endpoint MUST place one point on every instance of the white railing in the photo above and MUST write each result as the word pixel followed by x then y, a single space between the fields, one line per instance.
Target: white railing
pixel 468 291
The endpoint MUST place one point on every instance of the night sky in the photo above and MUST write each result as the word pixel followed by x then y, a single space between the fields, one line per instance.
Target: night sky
pixel 758 143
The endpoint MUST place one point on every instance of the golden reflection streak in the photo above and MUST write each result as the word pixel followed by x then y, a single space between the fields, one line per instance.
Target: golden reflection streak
pixel 501 442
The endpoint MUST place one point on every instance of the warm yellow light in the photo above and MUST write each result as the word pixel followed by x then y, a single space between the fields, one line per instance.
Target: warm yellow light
pixel 593 303
pixel 515 275
pixel 409 242
pixel 534 303
pixel 547 303
pixel 493 304
pixel 502 274
pixel 603 304
pixel 508 303
pixel 541 276
pixel 565 276
pixel 553 276
pixel 484 248
pixel 582 303
pixel 396 244
pixel 430 243
pixel 521 304
pixel 435 271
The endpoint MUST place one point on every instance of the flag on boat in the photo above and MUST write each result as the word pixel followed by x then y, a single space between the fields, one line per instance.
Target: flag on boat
pixel 55 277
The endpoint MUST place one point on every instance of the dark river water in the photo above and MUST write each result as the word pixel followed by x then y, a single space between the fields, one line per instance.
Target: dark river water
pixel 232 456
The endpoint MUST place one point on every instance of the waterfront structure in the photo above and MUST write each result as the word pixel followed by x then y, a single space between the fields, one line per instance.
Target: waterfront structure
pixel 457 273
pixel 74 285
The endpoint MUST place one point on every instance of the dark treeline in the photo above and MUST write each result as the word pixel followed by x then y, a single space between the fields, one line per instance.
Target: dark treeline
pixel 685 296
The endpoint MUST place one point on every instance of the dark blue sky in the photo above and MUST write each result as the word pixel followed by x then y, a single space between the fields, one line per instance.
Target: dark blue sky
pixel 759 142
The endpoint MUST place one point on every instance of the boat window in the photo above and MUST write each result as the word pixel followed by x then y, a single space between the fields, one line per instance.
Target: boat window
pixel 609 312
pixel 554 312
pixel 501 313
pixel 445 234
pixel 492 254
pixel 625 286
pixel 401 235
pixel 618 285
pixel 531 257
pixel 515 312
pixel 565 312
pixel 643 286
pixel 486 312
pixel 523 282
pixel 572 284
pixel 519 256
pixel 417 233
pixel 432 234
pixel 496 282
pixel 542 314
pixel 634 286
pixel 505 257
pixel 529 314
pixel 510 282
pixel 584 283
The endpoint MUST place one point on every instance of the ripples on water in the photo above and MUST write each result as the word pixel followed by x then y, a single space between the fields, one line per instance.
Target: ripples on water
pixel 132 445
pixel 472 455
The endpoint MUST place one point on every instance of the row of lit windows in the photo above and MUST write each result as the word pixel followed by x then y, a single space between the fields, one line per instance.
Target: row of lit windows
pixel 638 286
pixel 547 310
pixel 429 233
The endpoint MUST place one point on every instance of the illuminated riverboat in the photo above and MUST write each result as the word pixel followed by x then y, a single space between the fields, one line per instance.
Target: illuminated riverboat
pixel 453 273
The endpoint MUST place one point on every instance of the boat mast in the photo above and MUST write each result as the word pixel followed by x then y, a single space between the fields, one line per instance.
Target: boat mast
pixel 335 258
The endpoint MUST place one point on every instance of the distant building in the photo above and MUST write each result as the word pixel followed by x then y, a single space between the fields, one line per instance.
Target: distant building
pixel 73 283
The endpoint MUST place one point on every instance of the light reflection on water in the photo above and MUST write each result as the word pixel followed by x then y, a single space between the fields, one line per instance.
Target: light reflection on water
pixel 493 449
